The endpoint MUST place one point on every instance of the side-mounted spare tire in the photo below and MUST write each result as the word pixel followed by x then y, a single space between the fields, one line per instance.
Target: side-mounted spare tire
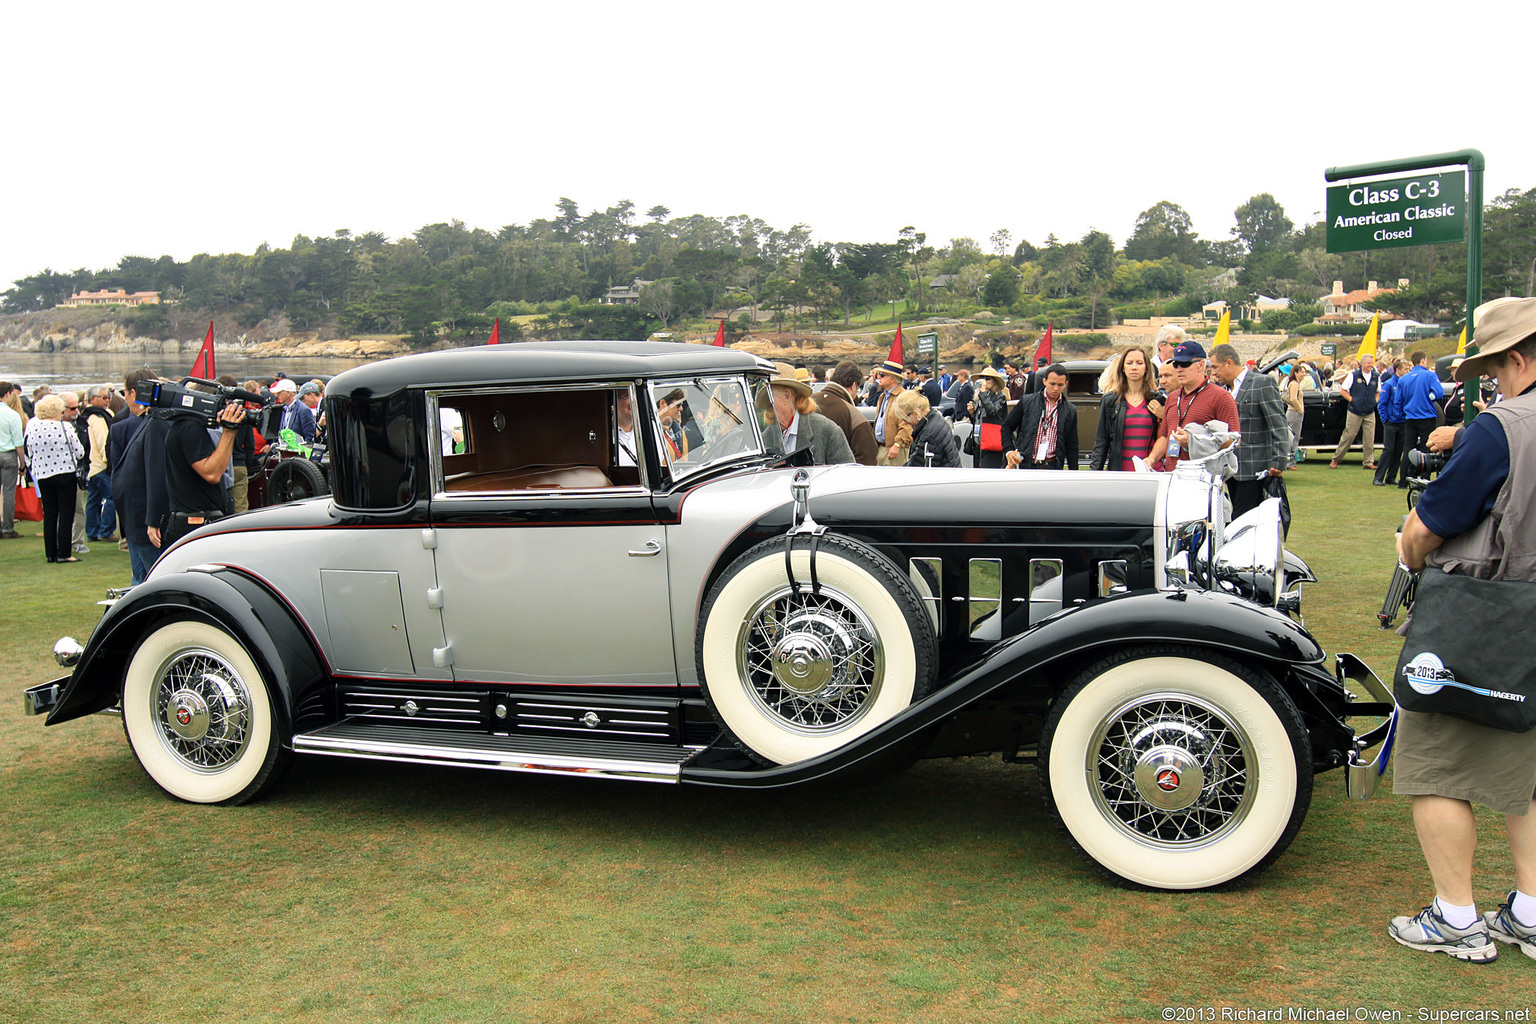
pixel 796 671
pixel 295 480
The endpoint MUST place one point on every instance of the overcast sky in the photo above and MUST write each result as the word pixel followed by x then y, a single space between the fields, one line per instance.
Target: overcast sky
pixel 157 127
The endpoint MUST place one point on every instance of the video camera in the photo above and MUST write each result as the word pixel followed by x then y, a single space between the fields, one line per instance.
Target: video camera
pixel 1425 465
pixel 169 401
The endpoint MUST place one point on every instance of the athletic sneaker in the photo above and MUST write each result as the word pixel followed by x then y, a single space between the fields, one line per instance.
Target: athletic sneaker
pixel 1432 933
pixel 1504 926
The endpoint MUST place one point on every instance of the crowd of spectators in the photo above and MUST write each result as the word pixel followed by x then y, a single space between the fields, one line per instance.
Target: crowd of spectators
pixel 101 477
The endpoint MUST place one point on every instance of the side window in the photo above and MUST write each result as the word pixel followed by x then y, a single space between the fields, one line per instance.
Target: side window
pixel 532 441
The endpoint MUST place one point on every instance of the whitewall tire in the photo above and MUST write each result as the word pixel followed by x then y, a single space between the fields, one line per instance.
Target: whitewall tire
pixel 199 716
pixel 796 673
pixel 1176 768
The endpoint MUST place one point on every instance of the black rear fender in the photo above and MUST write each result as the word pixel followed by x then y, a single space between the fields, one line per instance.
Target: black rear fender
pixel 281 648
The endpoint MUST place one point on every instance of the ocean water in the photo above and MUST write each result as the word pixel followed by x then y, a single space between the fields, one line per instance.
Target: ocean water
pixel 74 371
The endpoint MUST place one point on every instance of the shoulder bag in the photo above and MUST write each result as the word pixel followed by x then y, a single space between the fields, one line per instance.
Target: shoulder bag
pixel 1463 654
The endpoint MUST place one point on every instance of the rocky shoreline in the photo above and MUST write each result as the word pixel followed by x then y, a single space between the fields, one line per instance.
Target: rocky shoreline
pixel 65 331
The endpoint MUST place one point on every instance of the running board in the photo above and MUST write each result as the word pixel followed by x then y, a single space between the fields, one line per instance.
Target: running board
pixel 614 759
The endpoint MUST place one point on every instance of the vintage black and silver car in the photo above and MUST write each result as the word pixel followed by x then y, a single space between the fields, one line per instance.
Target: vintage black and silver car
pixel 595 558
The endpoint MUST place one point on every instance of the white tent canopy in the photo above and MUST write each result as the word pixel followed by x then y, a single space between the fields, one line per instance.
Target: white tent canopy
pixel 1396 330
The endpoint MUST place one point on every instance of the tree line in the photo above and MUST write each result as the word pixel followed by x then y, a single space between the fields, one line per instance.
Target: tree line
pixel 450 280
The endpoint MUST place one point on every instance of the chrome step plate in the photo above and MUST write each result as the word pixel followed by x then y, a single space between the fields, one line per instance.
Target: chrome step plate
pixel 645 762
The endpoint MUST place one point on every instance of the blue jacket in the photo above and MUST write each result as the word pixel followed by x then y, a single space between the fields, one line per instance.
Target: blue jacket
pixel 1389 402
pixel 1419 390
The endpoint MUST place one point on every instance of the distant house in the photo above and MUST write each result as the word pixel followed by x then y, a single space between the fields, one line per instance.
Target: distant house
pixel 944 281
pixel 624 294
pixel 1348 307
pixel 112 298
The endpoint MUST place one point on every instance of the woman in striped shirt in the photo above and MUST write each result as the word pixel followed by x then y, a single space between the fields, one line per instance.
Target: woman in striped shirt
pixel 1127 413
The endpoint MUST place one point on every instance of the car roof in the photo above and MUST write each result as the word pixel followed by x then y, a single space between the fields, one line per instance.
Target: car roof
pixel 543 360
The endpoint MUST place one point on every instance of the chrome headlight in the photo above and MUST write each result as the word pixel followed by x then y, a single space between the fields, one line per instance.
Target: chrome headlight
pixel 1251 561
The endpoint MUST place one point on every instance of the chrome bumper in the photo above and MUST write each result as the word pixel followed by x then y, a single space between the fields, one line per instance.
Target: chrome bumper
pixel 44 697
pixel 1361 776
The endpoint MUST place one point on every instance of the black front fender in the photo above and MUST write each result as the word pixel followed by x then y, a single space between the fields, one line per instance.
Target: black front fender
pixel 1057 646
pixel 225 598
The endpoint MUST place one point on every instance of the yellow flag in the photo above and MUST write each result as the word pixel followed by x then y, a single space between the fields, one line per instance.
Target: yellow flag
pixel 1223 329
pixel 1461 346
pixel 1368 346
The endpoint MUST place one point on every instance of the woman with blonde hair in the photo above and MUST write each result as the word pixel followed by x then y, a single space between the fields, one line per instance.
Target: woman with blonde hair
pixel 53 450
pixel 933 442
pixel 1127 422
pixel 13 399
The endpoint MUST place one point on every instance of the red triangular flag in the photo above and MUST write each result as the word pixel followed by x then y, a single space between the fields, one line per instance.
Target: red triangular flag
pixel 720 334
pixel 1043 353
pixel 202 368
pixel 495 333
pixel 895 356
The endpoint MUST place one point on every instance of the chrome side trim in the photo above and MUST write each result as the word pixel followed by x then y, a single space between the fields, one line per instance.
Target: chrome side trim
pixel 537 755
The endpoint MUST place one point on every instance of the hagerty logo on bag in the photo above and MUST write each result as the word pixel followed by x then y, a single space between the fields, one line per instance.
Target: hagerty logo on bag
pixel 1427 674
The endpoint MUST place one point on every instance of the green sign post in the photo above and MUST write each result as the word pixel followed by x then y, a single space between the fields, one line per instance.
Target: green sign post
pixel 1330 348
pixel 1402 211
pixel 1381 207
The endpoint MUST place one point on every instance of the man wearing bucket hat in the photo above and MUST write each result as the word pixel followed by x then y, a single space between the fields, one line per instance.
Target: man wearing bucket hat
pixel 892 433
pixel 800 423
pixel 1476 518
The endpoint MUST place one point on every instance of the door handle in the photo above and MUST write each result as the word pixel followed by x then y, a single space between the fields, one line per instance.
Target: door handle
pixel 651 548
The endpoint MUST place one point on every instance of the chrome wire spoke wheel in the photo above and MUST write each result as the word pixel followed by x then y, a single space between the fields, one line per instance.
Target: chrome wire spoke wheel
pixel 795 672
pixel 811 660
pixel 203 711
pixel 199 715
pixel 1176 767
pixel 1172 769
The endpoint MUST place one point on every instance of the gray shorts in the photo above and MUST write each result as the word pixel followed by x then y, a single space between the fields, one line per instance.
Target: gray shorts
pixel 1441 755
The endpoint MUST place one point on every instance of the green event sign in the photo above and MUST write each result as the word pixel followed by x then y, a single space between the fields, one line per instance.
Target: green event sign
pixel 1330 348
pixel 1421 210
pixel 928 345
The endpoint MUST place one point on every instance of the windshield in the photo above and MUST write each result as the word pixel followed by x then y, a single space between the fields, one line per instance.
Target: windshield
pixel 702 421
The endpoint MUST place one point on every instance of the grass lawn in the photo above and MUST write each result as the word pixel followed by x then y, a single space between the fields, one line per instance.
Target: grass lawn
pixel 377 892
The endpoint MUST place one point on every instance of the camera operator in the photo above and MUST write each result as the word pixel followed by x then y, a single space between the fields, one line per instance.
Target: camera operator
pixel 1475 519
pixel 195 468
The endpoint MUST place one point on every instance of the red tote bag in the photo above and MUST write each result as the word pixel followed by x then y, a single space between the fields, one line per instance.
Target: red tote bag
pixel 28 505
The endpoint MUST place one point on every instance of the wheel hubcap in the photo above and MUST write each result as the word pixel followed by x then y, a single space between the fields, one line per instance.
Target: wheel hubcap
pixel 204 711
pixel 1172 769
pixel 810 660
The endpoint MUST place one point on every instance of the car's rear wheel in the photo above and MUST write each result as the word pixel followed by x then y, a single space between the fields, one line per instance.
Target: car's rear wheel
pixel 199 716
pixel 793 672
pixel 1176 768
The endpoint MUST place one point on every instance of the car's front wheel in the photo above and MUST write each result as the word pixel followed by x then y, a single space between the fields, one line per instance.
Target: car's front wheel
pixel 199 716
pixel 795 670
pixel 1176 768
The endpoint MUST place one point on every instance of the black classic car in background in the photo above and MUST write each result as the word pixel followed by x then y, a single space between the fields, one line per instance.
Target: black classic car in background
pixel 562 589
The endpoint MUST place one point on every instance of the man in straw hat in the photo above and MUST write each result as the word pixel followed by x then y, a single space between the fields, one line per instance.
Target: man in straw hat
pixel 892 433
pixel 800 423
pixel 1476 518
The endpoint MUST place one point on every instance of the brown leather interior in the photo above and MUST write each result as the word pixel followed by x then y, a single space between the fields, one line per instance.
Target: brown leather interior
pixel 547 439
pixel 532 478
